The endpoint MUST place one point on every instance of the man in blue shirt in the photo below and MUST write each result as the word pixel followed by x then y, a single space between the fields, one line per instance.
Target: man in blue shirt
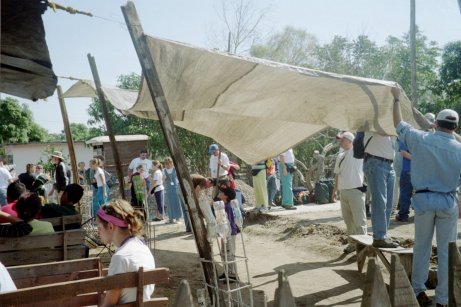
pixel 436 173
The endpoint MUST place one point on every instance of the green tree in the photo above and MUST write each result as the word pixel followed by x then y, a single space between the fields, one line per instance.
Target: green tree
pixel 17 123
pixel 292 46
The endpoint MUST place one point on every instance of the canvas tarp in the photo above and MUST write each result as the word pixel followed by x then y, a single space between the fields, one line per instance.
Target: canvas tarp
pixel 26 69
pixel 255 108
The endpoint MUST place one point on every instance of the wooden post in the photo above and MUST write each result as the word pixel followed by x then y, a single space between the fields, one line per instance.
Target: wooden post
pixel 454 275
pixel 400 290
pixel 110 131
pixel 414 96
pixel 166 122
pixel 70 141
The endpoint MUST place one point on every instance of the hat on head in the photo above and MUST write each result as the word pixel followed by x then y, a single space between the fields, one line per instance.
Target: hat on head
pixel 212 148
pixel 430 117
pixel 57 154
pixel 347 135
pixel 448 115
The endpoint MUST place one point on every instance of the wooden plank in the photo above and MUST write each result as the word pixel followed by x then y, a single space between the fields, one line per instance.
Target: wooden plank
pixel 171 137
pixel 74 237
pixel 108 122
pixel 80 287
pixel 454 275
pixel 154 302
pixel 374 293
pixel 67 219
pixel 400 290
pixel 68 132
pixel 45 273
pixel 41 255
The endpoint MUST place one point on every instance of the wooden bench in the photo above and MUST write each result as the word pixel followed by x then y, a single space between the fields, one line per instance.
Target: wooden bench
pixel 63 245
pixel 33 275
pixel 365 249
pixel 85 292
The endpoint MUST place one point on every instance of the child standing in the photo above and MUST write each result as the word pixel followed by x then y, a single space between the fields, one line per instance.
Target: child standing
pixel 138 187
pixel 158 188
pixel 102 191
pixel 227 195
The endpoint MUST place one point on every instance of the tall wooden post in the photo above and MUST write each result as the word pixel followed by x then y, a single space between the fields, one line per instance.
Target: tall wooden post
pixel 169 131
pixel 110 131
pixel 414 94
pixel 70 141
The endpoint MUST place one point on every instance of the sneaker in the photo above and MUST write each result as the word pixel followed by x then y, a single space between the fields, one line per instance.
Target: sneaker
pixel 423 300
pixel 386 243
pixel 287 207
pixel 401 219
pixel 349 249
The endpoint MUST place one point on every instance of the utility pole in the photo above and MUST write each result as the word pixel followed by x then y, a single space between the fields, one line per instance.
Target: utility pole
pixel 414 97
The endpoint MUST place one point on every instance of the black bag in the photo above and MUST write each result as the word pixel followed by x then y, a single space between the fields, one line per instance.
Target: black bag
pixel 291 168
pixel 359 148
pixel 363 188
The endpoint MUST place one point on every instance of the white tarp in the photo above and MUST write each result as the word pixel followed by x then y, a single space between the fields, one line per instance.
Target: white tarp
pixel 255 108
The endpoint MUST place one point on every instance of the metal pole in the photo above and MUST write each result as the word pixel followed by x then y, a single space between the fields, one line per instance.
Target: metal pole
pixel 414 96
pixel 110 131
pixel 70 141
pixel 166 122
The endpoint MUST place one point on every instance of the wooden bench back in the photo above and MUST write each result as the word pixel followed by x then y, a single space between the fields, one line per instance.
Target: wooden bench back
pixel 42 248
pixel 47 273
pixel 84 292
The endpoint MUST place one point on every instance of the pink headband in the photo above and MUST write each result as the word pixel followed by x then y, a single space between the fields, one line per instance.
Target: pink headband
pixel 111 219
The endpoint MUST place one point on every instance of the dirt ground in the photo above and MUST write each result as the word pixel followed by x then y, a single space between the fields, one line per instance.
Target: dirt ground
pixel 307 243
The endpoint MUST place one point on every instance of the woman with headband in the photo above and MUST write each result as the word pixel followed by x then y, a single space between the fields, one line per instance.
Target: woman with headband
pixel 120 224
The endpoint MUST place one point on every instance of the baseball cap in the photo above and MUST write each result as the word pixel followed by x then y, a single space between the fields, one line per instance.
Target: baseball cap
pixel 430 117
pixel 347 135
pixel 448 115
pixel 212 148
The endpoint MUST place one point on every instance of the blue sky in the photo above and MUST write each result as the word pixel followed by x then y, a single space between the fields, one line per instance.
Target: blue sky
pixel 71 37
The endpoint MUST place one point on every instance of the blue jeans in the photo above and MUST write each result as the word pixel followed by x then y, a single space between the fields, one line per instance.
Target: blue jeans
pixel 271 188
pixel 3 197
pixel 380 177
pixel 447 230
pixel 406 189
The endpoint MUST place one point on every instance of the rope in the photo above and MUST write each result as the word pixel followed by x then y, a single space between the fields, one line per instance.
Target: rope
pixel 68 9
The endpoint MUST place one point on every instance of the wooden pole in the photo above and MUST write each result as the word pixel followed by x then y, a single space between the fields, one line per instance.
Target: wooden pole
pixel 414 96
pixel 110 131
pixel 70 141
pixel 169 131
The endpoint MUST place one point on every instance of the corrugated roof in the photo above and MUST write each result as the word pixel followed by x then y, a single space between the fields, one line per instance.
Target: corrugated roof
pixel 118 138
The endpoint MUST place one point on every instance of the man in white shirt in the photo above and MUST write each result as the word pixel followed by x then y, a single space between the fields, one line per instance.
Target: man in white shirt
pixel 379 170
pixel 5 180
pixel 146 164
pixel 349 182
pixel 218 158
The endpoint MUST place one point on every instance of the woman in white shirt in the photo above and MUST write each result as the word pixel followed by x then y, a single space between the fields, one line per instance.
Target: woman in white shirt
pixel 120 224
pixel 157 190
pixel 102 192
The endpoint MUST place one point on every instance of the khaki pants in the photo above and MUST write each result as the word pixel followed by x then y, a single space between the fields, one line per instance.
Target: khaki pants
pixel 353 211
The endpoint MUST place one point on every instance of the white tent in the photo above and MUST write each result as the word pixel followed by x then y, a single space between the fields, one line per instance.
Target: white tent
pixel 254 108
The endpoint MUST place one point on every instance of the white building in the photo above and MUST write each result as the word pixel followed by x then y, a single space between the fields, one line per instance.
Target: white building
pixel 22 154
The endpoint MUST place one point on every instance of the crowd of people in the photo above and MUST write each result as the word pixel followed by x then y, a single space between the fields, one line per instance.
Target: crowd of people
pixel 428 176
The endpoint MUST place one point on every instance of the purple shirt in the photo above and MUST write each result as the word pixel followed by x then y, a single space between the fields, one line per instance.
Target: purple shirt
pixel 230 217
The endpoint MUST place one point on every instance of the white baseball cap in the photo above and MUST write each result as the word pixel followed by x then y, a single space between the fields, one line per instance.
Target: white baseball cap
pixel 448 115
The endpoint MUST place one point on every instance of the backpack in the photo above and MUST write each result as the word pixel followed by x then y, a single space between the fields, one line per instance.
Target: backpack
pixel 359 148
